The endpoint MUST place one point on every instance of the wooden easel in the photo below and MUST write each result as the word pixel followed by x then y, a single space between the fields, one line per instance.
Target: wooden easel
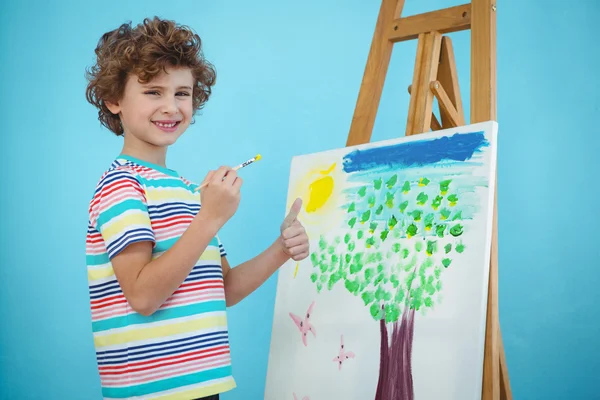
pixel 435 76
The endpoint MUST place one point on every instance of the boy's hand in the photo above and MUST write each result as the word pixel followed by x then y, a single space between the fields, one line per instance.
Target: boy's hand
pixel 221 197
pixel 293 239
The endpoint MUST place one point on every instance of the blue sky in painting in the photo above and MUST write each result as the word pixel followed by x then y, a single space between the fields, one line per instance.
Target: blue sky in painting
pixel 420 153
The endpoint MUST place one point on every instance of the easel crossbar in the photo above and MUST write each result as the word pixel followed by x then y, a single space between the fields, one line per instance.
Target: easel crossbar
pixel 446 20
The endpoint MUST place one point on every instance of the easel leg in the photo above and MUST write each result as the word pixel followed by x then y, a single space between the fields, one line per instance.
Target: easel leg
pixel 505 391
pixel 483 88
pixel 371 87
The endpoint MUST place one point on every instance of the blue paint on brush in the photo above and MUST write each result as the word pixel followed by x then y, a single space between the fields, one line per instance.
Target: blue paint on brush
pixel 456 148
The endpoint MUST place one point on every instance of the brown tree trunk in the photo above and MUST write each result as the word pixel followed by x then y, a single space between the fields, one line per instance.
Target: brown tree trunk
pixel 395 372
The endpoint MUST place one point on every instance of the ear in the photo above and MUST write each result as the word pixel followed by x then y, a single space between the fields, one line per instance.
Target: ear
pixel 114 108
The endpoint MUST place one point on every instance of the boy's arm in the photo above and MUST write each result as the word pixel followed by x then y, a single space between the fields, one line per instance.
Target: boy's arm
pixel 248 276
pixel 147 283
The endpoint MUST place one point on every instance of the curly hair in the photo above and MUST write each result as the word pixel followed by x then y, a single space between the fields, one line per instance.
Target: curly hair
pixel 145 51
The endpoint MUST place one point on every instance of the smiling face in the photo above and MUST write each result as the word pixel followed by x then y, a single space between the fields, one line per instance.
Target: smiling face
pixel 154 115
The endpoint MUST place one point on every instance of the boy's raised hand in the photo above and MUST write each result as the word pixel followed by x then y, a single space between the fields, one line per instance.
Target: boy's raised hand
pixel 294 239
pixel 221 197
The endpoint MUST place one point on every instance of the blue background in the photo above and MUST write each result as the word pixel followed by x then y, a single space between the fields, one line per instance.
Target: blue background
pixel 288 79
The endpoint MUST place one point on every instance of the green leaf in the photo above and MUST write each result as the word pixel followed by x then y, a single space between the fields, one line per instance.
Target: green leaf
pixel 314 259
pixel 360 234
pixel 399 295
pixel 392 222
pixel 358 258
pixel 456 230
pixel 367 297
pixel 333 279
pixel 416 214
pixel 372 226
pixel 352 222
pixel 424 181
pixel 313 277
pixel 395 281
pixel 323 267
pixel 382 295
pixel 444 185
pixel 403 206
pixel 351 246
pixel 322 243
pixel 396 247
pixel 379 210
pixel 352 207
pixel 422 198
pixel 376 311
pixel 348 258
pixel 346 238
pixel 428 302
pixel 352 286
pixel 417 298
pixel 448 248
pixel 436 202
pixel 392 312
pixel 384 234
pixel 370 241
pixel 371 201
pixel 319 287
pixel 453 199
pixel 365 216
pixel 389 200
pixel 460 248
pixel 446 262
pixel 429 288
pixel 444 214
pixel 392 181
pixel 406 187
pixel 362 191
pixel 431 247
pixel 412 230
pixel 369 274
pixel 439 230
pixel 377 183
pixel 457 216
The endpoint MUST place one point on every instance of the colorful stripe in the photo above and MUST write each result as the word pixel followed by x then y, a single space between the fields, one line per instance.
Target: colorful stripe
pixel 182 350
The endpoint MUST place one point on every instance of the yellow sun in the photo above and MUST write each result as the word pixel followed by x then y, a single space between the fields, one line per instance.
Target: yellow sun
pixel 320 184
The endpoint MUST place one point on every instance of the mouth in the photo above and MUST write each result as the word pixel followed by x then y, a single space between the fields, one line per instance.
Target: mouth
pixel 167 126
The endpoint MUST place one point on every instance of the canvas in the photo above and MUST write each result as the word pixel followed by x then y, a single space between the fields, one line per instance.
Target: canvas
pixel 391 303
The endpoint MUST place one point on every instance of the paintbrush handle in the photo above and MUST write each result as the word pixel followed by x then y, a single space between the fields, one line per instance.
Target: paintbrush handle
pixel 242 165
pixel 206 183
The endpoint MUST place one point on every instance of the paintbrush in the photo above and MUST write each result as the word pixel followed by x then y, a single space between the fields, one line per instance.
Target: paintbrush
pixel 242 165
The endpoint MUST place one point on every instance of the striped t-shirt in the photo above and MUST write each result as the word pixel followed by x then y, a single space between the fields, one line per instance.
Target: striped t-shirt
pixel 180 352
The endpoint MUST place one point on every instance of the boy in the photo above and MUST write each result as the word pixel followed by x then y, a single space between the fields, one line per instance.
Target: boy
pixel 159 278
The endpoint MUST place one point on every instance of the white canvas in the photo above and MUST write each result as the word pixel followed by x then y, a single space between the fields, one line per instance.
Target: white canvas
pixel 423 208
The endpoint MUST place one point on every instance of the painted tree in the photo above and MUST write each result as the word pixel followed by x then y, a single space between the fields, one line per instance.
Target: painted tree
pixel 399 238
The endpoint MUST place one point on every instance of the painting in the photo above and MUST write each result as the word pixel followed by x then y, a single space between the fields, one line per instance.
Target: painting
pixel 391 303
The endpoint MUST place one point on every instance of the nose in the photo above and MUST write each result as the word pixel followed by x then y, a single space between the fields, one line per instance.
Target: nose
pixel 170 106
